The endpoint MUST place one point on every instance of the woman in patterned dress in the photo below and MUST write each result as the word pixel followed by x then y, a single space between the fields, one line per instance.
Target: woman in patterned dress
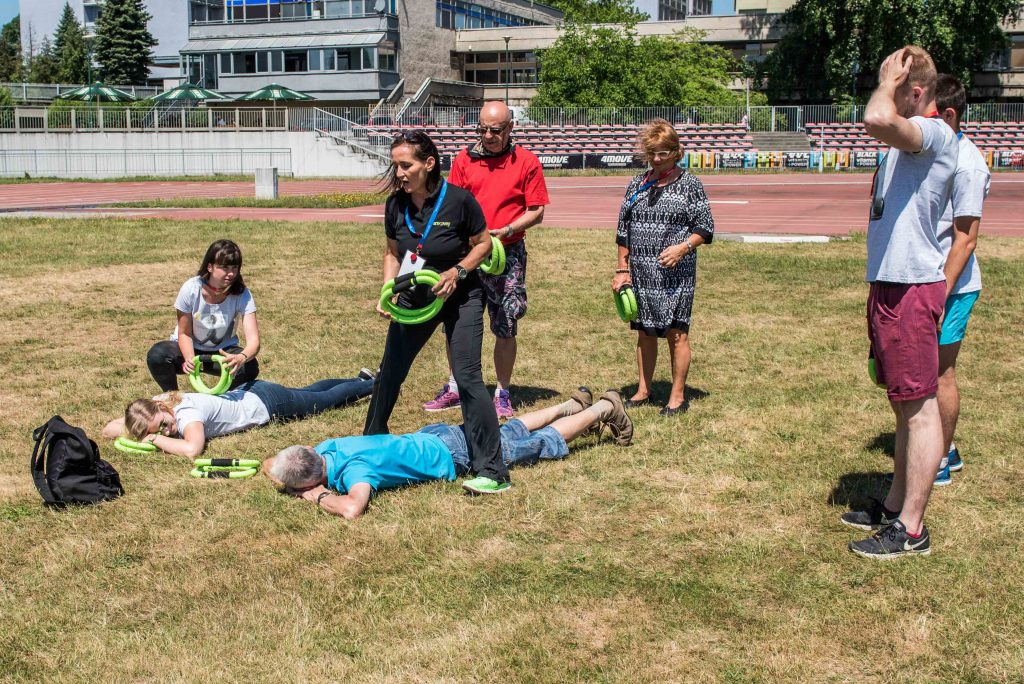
pixel 664 217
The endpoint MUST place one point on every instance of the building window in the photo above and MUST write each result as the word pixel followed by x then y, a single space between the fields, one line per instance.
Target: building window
pixel 457 14
pixel 369 60
pixel 386 60
pixel 225 63
pixel 244 63
pixel 314 60
pixel 295 61
pixel 276 61
pixel 345 59
pixel 329 60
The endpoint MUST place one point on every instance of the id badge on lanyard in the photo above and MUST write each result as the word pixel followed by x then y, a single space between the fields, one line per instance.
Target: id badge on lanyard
pixel 412 260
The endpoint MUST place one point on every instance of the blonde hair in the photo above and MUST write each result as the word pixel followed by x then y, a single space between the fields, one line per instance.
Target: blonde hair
pixel 658 135
pixel 922 72
pixel 141 412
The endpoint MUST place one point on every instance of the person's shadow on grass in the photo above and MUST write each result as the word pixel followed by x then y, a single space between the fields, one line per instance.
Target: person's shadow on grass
pixel 660 389
pixel 855 490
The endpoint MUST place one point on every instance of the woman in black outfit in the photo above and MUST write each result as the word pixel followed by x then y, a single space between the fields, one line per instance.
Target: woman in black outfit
pixel 431 224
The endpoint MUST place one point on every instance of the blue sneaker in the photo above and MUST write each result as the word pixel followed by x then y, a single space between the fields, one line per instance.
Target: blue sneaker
pixel 942 477
pixel 956 463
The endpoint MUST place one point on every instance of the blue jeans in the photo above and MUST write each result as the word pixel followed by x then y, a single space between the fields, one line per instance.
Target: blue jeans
pixel 285 403
pixel 519 446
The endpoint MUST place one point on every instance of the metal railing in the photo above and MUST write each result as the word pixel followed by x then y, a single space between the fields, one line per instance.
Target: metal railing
pixel 124 163
pixel 364 137
pixel 49 91
pixel 79 119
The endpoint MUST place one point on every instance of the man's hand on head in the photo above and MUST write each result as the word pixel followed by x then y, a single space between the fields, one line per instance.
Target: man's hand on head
pixel 895 69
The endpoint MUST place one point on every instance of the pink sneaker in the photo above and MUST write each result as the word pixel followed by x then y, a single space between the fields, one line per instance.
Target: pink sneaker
pixel 445 399
pixel 503 404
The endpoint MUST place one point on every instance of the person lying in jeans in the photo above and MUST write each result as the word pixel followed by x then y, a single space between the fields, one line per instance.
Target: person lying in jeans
pixel 340 475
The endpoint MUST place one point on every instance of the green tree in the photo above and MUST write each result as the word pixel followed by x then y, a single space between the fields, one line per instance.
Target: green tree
pixel 10 51
pixel 599 11
pixel 42 66
pixel 6 99
pixel 608 66
pixel 123 42
pixel 829 43
pixel 71 49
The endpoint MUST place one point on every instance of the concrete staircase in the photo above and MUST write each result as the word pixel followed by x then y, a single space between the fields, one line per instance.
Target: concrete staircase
pixel 781 142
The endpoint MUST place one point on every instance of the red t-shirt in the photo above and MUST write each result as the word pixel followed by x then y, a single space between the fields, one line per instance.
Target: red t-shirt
pixel 504 185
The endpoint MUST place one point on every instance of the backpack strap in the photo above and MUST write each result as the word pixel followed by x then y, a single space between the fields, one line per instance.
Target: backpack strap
pixel 42 436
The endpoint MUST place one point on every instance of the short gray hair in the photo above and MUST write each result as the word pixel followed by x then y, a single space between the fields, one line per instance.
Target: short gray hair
pixel 298 466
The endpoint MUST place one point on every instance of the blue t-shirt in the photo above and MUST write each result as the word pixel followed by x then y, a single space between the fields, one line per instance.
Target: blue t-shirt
pixel 385 461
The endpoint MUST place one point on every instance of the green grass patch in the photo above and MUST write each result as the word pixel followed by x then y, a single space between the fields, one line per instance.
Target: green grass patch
pixel 708 551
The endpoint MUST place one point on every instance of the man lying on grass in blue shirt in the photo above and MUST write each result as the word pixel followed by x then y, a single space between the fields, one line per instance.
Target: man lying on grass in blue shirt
pixel 340 475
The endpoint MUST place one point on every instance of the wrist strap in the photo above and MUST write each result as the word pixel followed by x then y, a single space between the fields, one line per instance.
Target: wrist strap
pixel 321 497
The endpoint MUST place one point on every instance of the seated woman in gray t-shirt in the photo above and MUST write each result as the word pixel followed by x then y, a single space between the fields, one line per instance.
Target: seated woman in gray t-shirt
pixel 180 424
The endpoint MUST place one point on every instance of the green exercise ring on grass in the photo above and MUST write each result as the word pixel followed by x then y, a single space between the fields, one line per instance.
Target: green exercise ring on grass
pixel 494 264
pixel 225 468
pixel 196 380
pixel 129 447
pixel 625 303
pixel 407 282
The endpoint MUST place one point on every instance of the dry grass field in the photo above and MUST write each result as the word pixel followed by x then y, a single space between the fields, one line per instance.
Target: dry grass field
pixel 709 551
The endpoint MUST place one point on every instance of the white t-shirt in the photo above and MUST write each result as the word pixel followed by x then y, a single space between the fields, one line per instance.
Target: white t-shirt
pixel 213 325
pixel 221 415
pixel 970 188
pixel 911 190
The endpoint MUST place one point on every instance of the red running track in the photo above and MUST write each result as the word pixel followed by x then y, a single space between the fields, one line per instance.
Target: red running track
pixel 807 204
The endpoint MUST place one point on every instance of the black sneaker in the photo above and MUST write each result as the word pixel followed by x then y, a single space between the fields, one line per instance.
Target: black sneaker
pixel 367 374
pixel 893 542
pixel 876 517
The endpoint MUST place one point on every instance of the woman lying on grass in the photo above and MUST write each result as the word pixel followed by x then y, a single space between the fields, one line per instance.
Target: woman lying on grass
pixel 181 423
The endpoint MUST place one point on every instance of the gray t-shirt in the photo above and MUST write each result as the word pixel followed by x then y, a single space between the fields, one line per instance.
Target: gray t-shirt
pixel 213 325
pixel 970 188
pixel 911 190
pixel 221 415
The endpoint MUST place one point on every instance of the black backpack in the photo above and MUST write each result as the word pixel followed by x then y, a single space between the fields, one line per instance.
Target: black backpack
pixel 67 468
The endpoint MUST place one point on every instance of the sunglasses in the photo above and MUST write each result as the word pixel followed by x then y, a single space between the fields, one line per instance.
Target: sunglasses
pixel 162 428
pixel 483 130
pixel 661 154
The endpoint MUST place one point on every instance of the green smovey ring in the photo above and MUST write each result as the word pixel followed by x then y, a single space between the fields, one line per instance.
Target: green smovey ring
pixel 129 447
pixel 494 264
pixel 195 377
pixel 225 468
pixel 873 372
pixel 407 282
pixel 625 303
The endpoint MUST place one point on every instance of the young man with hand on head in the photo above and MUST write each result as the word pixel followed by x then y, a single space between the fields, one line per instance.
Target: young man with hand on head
pixel 905 262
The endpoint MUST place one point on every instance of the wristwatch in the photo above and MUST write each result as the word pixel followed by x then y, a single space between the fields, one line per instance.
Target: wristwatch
pixel 461 271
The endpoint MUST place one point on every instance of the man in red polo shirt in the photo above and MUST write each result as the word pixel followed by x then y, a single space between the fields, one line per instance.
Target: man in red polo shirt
pixel 508 182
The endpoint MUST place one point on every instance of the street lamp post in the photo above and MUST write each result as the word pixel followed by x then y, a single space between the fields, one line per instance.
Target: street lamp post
pixel 508 67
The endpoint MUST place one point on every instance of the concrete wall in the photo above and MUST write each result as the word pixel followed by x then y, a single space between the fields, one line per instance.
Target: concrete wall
pixel 310 156
pixel 425 50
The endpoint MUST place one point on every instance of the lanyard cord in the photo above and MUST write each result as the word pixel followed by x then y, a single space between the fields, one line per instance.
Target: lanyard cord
pixel 430 222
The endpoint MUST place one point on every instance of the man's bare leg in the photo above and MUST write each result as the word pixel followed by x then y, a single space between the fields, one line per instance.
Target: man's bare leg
pixel 948 394
pixel 535 420
pixel 505 349
pixel 923 453
pixel 573 426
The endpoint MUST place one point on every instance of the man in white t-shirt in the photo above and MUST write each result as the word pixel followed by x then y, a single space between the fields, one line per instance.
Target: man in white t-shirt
pixel 907 291
pixel 958 237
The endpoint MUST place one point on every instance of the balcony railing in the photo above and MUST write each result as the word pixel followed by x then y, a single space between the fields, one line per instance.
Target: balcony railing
pixel 133 119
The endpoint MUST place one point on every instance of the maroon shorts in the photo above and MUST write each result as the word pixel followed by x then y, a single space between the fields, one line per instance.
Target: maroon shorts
pixel 903 323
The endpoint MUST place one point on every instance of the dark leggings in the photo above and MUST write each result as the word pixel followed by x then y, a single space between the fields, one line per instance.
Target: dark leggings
pixel 463 319
pixel 286 403
pixel 165 361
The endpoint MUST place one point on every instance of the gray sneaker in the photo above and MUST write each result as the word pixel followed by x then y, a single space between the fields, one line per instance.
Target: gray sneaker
pixel 874 518
pixel 619 421
pixel 893 542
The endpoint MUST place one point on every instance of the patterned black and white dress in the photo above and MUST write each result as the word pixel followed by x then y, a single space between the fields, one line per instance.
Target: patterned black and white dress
pixel 656 219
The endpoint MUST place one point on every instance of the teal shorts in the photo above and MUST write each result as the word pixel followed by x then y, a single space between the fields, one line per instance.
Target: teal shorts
pixel 958 312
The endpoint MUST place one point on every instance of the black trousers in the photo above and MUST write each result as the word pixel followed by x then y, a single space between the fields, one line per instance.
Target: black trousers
pixel 164 360
pixel 463 319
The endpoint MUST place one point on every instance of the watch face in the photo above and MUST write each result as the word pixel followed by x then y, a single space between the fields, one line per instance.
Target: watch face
pixel 462 272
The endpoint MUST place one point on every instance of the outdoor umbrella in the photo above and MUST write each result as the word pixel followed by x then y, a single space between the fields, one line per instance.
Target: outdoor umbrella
pixel 186 92
pixel 97 92
pixel 274 93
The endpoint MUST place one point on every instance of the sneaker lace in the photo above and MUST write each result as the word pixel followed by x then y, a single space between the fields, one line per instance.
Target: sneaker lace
pixel 444 392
